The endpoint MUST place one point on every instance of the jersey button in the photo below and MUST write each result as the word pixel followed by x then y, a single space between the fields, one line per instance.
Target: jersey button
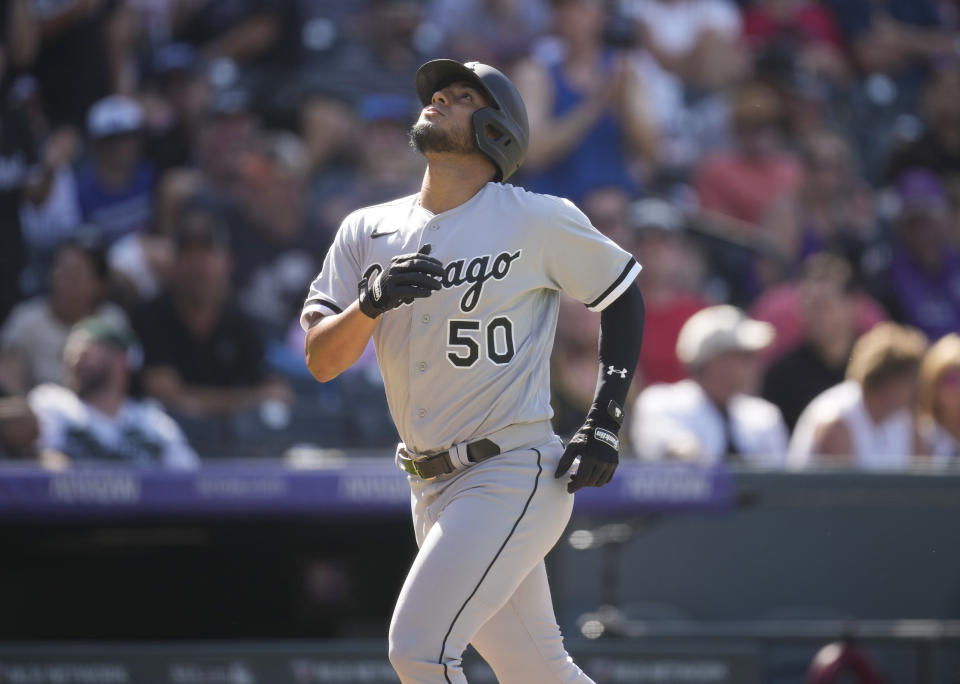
pixel 422 412
pixel 425 318
pixel 422 366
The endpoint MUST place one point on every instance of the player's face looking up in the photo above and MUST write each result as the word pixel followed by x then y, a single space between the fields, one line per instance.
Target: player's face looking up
pixel 445 125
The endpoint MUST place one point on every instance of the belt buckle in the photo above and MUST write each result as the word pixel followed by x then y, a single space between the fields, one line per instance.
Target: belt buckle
pixel 412 466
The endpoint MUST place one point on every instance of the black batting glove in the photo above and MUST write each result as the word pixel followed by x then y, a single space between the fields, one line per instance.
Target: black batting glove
pixel 406 277
pixel 597 445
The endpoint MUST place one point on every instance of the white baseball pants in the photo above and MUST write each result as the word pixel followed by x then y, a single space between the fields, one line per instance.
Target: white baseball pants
pixel 479 576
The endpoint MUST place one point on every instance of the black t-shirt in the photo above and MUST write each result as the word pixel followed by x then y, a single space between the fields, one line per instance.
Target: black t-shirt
pixel 796 378
pixel 232 355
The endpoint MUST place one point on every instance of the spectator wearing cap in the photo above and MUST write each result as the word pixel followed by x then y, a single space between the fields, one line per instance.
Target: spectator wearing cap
pixel 921 284
pixel 33 338
pixel 827 307
pixel 115 189
pixel 202 357
pixel 92 420
pixel 938 400
pixel 866 422
pixel 671 282
pixel 714 416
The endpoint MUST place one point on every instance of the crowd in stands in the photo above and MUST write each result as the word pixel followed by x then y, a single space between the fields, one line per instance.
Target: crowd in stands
pixel 786 171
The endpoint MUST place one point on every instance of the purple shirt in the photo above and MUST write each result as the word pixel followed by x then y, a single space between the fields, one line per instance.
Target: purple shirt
pixel 931 302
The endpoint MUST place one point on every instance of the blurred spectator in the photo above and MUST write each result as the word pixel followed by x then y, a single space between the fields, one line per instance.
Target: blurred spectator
pixel 698 40
pixel 866 422
pixel 490 31
pixel 49 212
pixel 573 365
pixel 938 146
pixel 388 43
pixel 828 314
pixel 743 183
pixel 737 189
pixel 938 400
pixel 226 135
pixel 202 357
pixel 714 416
pixel 19 37
pixel 589 113
pixel 387 166
pixel 115 189
pixel 93 420
pixel 19 428
pixel 804 30
pixel 892 36
pixel 670 282
pixel 262 33
pixel 276 250
pixel 329 128
pixel 18 153
pixel 606 207
pixel 175 106
pixel 831 210
pixel 782 306
pixel 921 284
pixel 69 83
pixel 33 338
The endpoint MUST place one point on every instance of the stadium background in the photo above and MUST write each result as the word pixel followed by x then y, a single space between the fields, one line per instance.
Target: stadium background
pixel 775 130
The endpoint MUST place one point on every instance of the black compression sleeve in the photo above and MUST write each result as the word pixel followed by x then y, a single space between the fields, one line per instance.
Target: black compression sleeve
pixel 621 332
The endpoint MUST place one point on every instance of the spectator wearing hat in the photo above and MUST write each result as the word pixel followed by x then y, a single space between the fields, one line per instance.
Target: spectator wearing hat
pixel 33 338
pixel 671 281
pixel 115 190
pixel 866 422
pixel 92 420
pixel 714 416
pixel 227 133
pixel 202 357
pixel 938 400
pixel 920 286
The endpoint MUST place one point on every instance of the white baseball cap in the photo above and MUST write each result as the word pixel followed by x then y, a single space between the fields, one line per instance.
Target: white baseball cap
pixel 114 115
pixel 719 329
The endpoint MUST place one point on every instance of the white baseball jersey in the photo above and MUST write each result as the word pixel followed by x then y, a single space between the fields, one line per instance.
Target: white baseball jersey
pixel 473 357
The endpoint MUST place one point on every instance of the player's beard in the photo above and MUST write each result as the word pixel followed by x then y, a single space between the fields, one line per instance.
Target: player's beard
pixel 425 136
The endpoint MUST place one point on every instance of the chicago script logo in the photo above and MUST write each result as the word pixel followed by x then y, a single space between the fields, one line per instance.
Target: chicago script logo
pixel 477 271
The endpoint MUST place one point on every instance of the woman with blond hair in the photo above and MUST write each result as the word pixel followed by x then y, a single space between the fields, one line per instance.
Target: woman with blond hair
pixel 938 400
pixel 867 421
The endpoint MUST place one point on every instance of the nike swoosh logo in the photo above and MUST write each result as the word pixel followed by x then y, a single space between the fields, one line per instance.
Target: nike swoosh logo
pixel 375 234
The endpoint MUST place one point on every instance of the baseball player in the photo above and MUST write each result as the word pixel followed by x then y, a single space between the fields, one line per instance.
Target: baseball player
pixel 459 287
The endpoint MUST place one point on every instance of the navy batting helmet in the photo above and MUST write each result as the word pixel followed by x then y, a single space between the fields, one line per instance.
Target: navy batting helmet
pixel 501 130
